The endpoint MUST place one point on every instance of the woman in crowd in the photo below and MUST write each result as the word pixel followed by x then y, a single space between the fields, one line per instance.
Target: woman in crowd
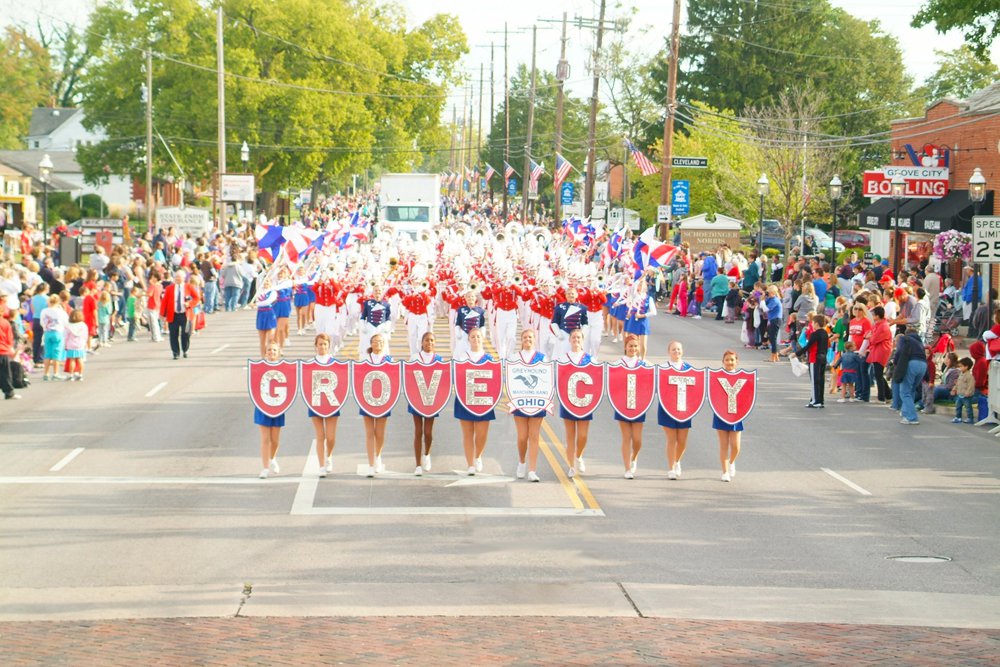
pixel 772 305
pixel 675 431
pixel 475 429
pixel 529 427
pixel 270 427
pixel 375 426
pixel 948 378
pixel 423 427
pixel 729 434
pixel 631 429
pixel 325 428
pixel 879 349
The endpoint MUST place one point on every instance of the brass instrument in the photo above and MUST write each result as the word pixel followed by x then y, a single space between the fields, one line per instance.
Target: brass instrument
pixel 425 236
pixel 501 237
pixel 473 286
pixel 557 282
pixel 371 283
pixel 423 286
pixel 481 231
pixel 601 279
pixel 514 229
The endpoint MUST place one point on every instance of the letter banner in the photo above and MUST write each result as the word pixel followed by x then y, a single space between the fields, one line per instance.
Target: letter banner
pixel 579 388
pixel 272 385
pixel 529 388
pixel 682 393
pixel 478 386
pixel 732 395
pixel 631 390
pixel 324 387
pixel 376 387
pixel 427 386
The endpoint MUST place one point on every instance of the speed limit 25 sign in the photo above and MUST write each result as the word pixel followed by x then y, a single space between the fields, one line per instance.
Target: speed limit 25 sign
pixel 986 239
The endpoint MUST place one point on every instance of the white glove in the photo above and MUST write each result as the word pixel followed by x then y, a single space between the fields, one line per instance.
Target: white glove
pixel 460 335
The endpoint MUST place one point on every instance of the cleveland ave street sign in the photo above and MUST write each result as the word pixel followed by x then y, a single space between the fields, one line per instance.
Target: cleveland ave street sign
pixel 696 162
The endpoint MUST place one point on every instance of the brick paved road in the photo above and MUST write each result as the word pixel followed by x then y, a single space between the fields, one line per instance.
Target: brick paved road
pixel 485 641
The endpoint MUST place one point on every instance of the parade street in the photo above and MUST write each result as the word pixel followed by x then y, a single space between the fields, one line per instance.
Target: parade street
pixel 147 505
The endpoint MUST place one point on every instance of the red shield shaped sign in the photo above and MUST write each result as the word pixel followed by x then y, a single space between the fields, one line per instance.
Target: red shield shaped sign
pixel 682 393
pixel 529 387
pixel 376 387
pixel 631 390
pixel 732 395
pixel 478 386
pixel 324 387
pixel 427 386
pixel 579 388
pixel 272 386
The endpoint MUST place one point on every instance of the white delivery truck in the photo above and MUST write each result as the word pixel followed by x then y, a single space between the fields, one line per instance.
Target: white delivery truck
pixel 410 203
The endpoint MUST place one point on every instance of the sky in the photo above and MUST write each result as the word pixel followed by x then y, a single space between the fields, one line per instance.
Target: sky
pixel 648 29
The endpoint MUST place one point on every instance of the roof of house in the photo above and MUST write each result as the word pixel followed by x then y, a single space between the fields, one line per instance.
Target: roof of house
pixel 985 100
pixel 45 120
pixel 26 162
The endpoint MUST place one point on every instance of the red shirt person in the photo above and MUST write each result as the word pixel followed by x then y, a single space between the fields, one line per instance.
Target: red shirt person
pixel 177 307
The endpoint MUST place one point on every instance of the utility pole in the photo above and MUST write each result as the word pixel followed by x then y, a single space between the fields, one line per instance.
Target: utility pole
pixel 149 140
pixel 221 77
pixel 479 135
pixel 506 120
pixel 562 73
pixel 668 124
pixel 588 187
pixel 451 162
pixel 526 174
pixel 493 115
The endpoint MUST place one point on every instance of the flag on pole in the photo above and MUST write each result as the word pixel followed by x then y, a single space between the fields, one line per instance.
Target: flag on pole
pixel 563 168
pixel 536 170
pixel 645 166
pixel 489 172
pixel 508 171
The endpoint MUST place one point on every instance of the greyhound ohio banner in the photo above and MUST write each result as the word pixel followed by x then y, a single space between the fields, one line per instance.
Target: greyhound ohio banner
pixel 531 388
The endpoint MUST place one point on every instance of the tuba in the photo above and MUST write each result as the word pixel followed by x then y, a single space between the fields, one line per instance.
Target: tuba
pixel 500 237
pixel 481 231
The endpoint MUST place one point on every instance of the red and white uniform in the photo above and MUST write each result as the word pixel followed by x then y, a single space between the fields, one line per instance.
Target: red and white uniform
pixel 330 317
pixel 418 318
pixel 504 300
pixel 593 300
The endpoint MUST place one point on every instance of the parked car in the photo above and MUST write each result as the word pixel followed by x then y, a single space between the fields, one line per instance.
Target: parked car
pixel 772 237
pixel 820 239
pixel 854 238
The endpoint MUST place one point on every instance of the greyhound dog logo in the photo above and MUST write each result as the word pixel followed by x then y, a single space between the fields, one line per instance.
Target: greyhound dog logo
pixel 530 381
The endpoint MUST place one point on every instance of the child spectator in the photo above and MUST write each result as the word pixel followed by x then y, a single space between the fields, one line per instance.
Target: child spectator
pixel 76 345
pixel 699 298
pixel 980 371
pixel 131 312
pixel 732 302
pixel 105 310
pixel 964 390
pixel 926 404
pixel 850 370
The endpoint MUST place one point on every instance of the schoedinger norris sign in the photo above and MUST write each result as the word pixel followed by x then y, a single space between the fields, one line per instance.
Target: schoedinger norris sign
pixel 921 182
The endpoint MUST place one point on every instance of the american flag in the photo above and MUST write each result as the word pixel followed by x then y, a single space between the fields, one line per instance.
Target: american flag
pixel 508 171
pixel 645 166
pixel 536 170
pixel 563 168
pixel 489 172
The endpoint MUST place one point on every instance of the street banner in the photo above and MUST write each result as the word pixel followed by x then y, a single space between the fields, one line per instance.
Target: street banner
pixel 272 386
pixel 427 386
pixel 376 387
pixel 682 393
pixel 631 390
pixel 579 388
pixel 529 387
pixel 478 386
pixel 324 387
pixel 732 395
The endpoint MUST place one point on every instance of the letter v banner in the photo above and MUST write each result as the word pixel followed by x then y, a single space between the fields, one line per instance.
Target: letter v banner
pixel 732 395
pixel 272 386
pixel 682 392
pixel 324 387
pixel 427 387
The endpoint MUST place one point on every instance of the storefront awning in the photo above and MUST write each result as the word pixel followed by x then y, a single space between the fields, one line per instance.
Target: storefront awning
pixel 876 216
pixel 953 211
pixel 907 209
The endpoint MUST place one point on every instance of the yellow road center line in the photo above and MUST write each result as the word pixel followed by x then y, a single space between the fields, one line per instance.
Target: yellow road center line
pixel 577 480
pixel 560 475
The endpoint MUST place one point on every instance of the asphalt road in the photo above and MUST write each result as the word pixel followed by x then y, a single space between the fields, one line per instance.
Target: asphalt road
pixel 161 510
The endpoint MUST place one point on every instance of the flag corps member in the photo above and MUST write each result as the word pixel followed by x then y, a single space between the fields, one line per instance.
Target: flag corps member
pixel 568 316
pixel 375 319
pixel 467 318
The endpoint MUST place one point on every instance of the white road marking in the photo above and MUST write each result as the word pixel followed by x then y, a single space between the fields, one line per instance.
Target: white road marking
pixel 844 480
pixel 66 459
pixel 149 481
pixel 305 495
pixel 155 390
pixel 458 511
pixel 219 349
pixel 480 479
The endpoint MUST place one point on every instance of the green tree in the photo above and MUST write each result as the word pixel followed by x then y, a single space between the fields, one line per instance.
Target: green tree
pixel 979 20
pixel 70 52
pixel 27 76
pixel 959 74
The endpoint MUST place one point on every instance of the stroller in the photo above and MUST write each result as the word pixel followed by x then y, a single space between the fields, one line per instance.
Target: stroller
pixel 946 320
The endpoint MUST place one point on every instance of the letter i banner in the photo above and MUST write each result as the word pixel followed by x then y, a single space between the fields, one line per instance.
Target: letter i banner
pixel 732 395
pixel 580 388
pixel 376 387
pixel 324 387
pixel 272 386
pixel 427 386
pixel 631 390
pixel 529 388
pixel 682 392
pixel 478 387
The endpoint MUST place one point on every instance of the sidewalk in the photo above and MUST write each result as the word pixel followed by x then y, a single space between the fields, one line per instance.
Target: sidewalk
pixel 422 640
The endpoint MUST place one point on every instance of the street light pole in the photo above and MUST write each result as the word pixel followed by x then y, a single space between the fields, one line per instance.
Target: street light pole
pixel 836 190
pixel 977 193
pixel 245 159
pixel 44 175
pixel 898 191
pixel 763 187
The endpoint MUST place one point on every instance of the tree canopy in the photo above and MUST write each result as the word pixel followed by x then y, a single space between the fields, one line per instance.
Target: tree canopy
pixel 26 72
pixel 959 74
pixel 979 20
